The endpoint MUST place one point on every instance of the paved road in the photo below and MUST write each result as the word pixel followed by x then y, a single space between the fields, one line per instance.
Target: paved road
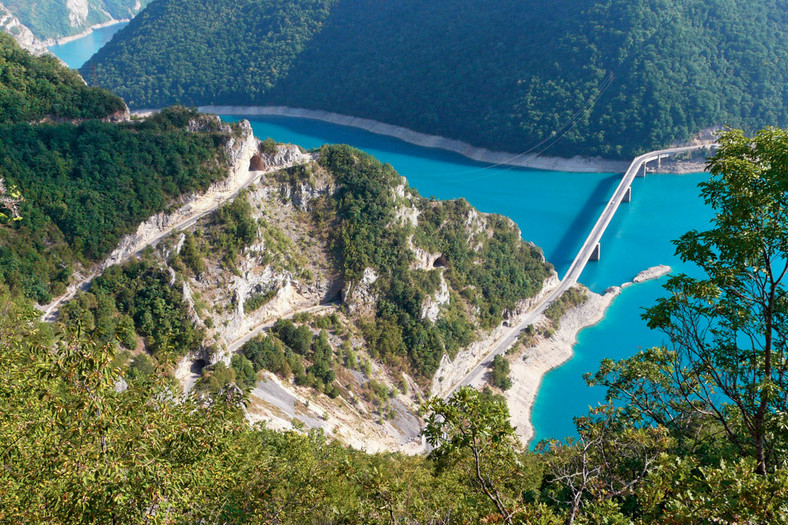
pixel 577 266
pixel 238 343
pixel 51 312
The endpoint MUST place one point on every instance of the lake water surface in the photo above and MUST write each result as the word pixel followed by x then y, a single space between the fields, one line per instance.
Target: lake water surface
pixel 555 210
pixel 77 52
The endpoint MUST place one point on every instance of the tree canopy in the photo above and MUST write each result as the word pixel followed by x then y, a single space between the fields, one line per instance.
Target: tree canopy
pixel 602 78
pixel 726 364
pixel 33 88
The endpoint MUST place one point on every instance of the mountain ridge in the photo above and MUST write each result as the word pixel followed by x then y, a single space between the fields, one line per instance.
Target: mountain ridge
pixel 56 21
pixel 604 79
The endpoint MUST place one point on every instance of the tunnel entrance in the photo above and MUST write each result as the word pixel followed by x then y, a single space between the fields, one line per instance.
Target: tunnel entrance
pixel 256 164
pixel 441 262
pixel 197 366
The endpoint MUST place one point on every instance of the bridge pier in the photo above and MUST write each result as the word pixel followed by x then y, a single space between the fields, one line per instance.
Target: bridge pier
pixel 596 254
pixel 627 195
pixel 642 173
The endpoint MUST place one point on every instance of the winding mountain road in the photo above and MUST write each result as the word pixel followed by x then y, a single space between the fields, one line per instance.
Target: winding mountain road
pixel 266 325
pixel 576 268
pixel 200 208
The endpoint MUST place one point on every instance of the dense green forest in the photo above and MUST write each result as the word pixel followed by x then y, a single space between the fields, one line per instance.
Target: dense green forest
pixel 34 88
pixel 59 18
pixel 137 298
pixel 87 185
pixel 590 77
pixel 82 185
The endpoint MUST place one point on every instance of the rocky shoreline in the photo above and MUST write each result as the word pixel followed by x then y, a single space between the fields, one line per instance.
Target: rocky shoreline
pixel 66 39
pixel 577 164
pixel 574 164
pixel 529 368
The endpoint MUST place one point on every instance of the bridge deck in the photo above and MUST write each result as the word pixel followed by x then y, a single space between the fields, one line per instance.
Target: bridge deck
pixel 579 263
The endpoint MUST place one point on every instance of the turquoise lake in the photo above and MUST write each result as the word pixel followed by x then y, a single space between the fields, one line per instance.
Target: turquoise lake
pixel 555 210
pixel 77 52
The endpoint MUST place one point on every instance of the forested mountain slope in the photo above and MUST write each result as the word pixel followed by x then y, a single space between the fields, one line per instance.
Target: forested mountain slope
pixel 420 279
pixel 92 431
pixel 592 77
pixel 75 181
pixel 53 19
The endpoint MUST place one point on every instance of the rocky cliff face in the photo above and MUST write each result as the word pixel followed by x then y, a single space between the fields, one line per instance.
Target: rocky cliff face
pixel 275 240
pixel 37 24
pixel 21 33
pixel 291 270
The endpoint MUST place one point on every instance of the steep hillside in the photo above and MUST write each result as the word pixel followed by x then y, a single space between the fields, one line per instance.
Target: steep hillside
pixel 269 231
pixel 592 77
pixel 403 281
pixel 50 20
pixel 76 175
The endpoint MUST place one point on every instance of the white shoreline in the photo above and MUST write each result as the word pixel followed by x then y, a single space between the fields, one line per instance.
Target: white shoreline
pixel 577 164
pixel 529 368
pixel 573 164
pixel 50 42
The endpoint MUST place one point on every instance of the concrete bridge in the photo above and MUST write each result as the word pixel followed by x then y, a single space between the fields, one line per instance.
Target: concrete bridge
pixel 590 251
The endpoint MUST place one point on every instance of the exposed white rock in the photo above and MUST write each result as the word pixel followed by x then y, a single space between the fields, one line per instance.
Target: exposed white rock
pixel 527 372
pixel 253 283
pixel 77 12
pixel 286 154
pixel 239 151
pixel 304 193
pixel 450 372
pixel 422 259
pixel 359 296
pixel 432 304
pixel 21 33
pixel 652 273
pixel 576 163
pixel 408 215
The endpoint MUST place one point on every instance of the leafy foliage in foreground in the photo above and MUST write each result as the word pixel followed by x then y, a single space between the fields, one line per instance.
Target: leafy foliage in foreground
pixel 75 449
pixel 602 78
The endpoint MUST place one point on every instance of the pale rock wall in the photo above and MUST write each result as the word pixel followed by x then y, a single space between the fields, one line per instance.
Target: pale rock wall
pixel 359 296
pixel 78 12
pixel 83 17
pixel 576 163
pixel 450 372
pixel 431 308
pixel 24 37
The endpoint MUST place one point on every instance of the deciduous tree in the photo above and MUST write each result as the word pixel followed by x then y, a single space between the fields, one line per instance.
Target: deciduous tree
pixel 725 363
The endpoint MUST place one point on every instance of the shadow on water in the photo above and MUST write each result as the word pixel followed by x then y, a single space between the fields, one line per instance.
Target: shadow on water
pixel 585 219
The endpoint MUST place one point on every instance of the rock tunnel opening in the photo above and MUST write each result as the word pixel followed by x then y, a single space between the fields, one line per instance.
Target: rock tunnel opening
pixel 197 366
pixel 256 164
pixel 441 262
